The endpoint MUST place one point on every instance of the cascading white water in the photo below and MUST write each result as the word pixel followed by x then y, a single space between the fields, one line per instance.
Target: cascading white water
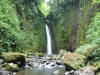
pixel 49 45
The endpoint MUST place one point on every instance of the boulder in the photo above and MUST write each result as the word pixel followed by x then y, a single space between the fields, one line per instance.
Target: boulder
pixel 67 73
pixel 88 70
pixel 58 72
pixel 4 72
pixel 85 71
pixel 12 67
pixel 73 61
pixel 57 57
pixel 31 64
pixel 16 58
pixel 70 72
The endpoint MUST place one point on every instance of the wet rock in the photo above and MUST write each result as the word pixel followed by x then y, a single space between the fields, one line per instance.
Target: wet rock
pixel 26 66
pixel 31 64
pixel 59 62
pixel 35 64
pixel 44 61
pixel 85 71
pixel 4 72
pixel 1 61
pixel 0 65
pixel 73 61
pixel 16 58
pixel 47 57
pixel 70 72
pixel 56 72
pixel 12 67
pixel 14 73
pixel 67 73
pixel 56 57
pixel 30 59
pixel 61 69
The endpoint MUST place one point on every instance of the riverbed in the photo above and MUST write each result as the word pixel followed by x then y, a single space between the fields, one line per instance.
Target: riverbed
pixel 43 66
pixel 41 71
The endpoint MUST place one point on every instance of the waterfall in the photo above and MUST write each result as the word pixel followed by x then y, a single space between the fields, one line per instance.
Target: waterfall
pixel 49 45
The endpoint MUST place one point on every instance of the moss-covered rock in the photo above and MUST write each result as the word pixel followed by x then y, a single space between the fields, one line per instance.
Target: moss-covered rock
pixel 12 67
pixel 35 53
pixel 55 57
pixel 16 58
pixel 61 51
pixel 73 61
pixel 39 54
pixel 97 67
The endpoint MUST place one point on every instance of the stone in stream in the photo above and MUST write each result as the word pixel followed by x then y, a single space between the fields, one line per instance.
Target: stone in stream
pixel 58 72
pixel 44 61
pixel 26 66
pixel 1 60
pixel 12 67
pixel 29 65
pixel 67 73
pixel 85 71
pixel 30 60
pixel 70 72
pixel 14 73
pixel 58 63
pixel 35 64
pixel 4 72
pixel 16 58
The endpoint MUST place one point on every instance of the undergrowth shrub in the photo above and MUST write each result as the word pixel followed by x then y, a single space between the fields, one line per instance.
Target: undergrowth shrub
pixel 92 49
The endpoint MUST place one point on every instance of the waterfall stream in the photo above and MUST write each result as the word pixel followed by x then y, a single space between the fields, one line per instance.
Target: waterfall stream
pixel 49 44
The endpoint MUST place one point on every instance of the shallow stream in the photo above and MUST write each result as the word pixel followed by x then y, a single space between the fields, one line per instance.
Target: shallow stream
pixel 41 71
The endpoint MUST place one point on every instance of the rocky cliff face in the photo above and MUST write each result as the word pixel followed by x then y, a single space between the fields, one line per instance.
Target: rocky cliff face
pixel 69 22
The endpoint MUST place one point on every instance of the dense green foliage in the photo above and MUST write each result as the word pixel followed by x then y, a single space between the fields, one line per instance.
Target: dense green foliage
pixel 73 23
pixel 32 24
pixel 92 49
pixel 21 26
pixel 11 36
